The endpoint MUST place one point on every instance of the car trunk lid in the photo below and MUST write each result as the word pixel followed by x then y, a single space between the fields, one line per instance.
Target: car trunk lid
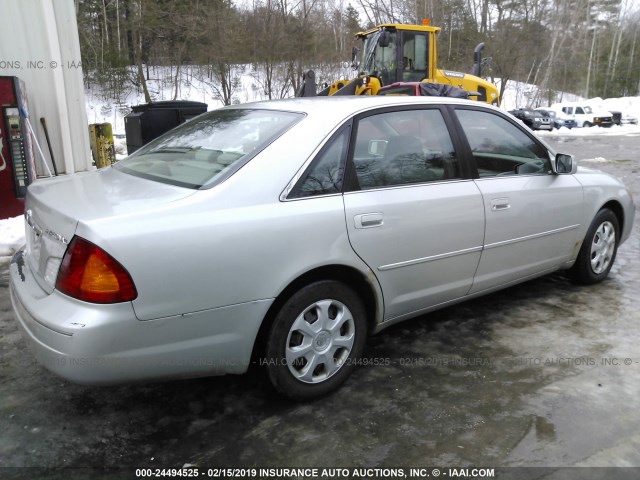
pixel 55 207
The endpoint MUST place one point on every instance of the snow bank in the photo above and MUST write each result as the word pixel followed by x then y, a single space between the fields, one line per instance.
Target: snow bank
pixel 11 237
pixel 626 105
pixel 627 130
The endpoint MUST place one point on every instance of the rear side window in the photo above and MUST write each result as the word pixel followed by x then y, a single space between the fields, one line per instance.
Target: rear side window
pixel 326 172
pixel 208 148
pixel 501 148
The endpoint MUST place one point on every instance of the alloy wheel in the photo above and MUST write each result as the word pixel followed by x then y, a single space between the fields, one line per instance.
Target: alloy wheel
pixel 603 247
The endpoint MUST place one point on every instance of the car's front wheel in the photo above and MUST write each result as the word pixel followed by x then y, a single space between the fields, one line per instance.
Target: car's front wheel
pixel 315 340
pixel 598 250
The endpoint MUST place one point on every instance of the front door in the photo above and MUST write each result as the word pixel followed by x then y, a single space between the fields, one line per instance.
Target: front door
pixel 532 214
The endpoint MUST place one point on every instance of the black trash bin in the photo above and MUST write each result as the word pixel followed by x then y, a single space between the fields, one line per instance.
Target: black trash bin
pixel 150 120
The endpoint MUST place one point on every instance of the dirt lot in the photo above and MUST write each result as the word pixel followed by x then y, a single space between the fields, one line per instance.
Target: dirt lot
pixel 543 374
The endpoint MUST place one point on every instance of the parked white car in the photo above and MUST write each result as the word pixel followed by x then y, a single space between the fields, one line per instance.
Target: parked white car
pixel 284 232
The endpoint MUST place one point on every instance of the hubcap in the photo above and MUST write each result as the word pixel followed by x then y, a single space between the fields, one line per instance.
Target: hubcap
pixel 319 341
pixel 602 247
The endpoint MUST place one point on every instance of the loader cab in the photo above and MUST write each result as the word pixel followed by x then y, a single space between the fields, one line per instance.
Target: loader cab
pixel 394 52
pixel 399 53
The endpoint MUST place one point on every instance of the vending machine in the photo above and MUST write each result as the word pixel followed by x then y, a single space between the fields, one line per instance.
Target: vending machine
pixel 17 162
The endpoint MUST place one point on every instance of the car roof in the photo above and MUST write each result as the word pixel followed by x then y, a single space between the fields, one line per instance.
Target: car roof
pixel 340 106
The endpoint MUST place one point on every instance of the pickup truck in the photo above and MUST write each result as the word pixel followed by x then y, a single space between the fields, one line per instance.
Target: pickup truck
pixel 584 115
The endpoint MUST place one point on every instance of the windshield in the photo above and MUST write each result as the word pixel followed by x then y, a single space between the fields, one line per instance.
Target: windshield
pixel 378 60
pixel 209 148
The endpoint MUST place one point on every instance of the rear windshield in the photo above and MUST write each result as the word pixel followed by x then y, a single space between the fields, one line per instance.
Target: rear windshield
pixel 209 148
pixel 402 90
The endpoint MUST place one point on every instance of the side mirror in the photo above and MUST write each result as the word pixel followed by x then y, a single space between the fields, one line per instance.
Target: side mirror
pixel 354 58
pixel 385 39
pixel 565 164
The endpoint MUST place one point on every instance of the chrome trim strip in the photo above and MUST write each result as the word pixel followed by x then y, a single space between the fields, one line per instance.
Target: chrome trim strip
pixel 429 259
pixel 432 258
pixel 28 215
pixel 531 237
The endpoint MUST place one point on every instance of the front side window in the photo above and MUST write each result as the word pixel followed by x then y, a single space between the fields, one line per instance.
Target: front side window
pixel 403 147
pixel 501 148
pixel 208 148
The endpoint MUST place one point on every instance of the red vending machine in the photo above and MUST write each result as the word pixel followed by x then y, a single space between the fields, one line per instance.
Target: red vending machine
pixel 17 162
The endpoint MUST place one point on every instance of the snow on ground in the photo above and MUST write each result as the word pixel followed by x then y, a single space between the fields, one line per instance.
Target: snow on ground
pixel 520 95
pixel 11 237
pixel 194 85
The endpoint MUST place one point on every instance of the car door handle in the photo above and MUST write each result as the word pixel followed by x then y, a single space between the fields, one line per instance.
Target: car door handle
pixel 368 220
pixel 498 204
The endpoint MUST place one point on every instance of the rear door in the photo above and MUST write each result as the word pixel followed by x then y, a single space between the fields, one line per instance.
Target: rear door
pixel 532 215
pixel 412 212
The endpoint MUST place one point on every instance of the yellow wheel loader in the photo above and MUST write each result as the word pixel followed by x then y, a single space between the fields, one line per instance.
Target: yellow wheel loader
pixel 394 53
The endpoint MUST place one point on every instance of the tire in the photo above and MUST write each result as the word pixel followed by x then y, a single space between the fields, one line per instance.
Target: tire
pixel 587 124
pixel 598 251
pixel 315 340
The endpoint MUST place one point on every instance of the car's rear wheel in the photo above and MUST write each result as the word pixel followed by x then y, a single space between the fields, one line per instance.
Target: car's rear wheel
pixel 587 124
pixel 598 251
pixel 315 340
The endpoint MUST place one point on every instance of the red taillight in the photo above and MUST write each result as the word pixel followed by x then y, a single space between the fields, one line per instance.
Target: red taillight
pixel 90 274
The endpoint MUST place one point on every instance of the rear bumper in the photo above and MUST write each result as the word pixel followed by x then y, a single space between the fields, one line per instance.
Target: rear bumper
pixel 107 344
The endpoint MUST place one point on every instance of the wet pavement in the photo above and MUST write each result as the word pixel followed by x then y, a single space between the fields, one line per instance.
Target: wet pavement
pixel 546 373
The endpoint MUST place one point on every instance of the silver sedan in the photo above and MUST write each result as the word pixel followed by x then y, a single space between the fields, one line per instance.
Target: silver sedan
pixel 283 233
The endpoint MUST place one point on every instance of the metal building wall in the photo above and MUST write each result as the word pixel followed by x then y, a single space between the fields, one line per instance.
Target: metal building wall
pixel 39 43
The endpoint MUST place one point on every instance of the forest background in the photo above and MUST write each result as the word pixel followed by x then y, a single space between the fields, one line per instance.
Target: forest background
pixel 585 47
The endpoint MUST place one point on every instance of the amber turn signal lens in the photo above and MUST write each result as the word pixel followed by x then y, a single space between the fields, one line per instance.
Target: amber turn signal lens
pixel 90 274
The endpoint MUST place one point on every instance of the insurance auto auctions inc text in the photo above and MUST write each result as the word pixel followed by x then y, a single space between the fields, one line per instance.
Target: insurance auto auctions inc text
pixel 322 473
pixel 331 473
